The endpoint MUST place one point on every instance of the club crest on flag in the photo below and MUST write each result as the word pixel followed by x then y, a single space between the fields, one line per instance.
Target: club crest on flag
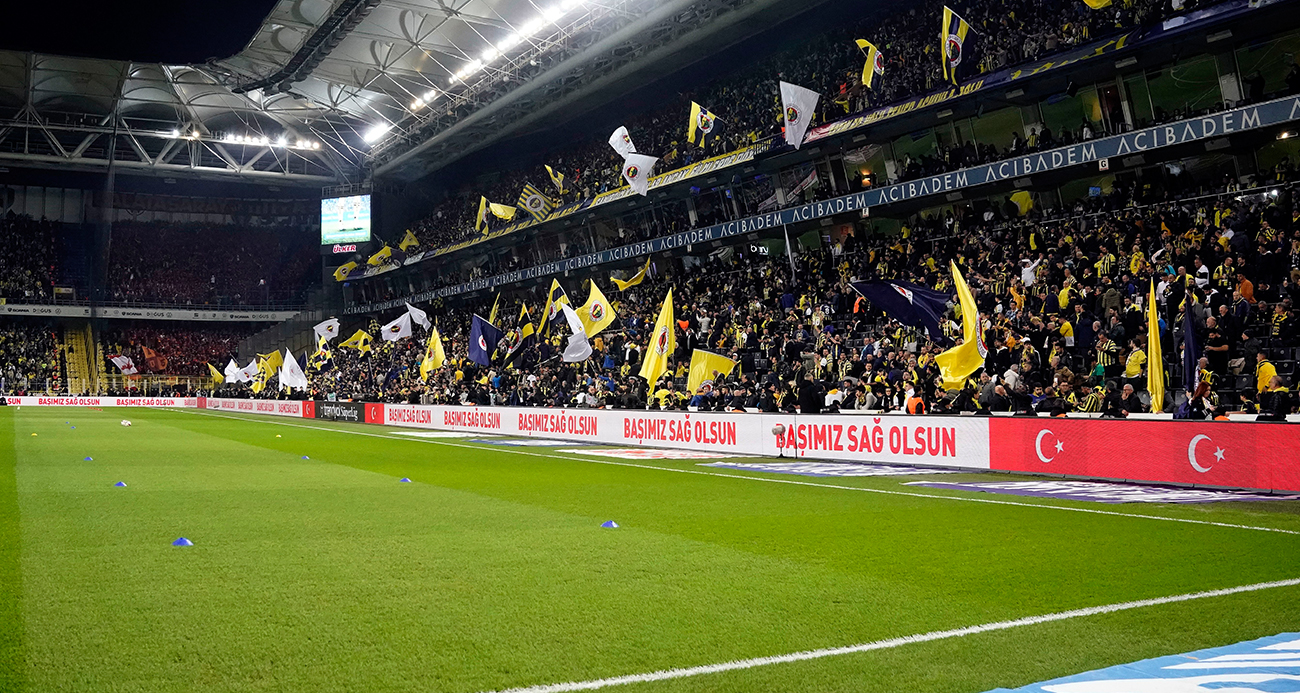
pixel 953 50
pixel 482 343
pixel 880 63
pixel 705 123
pixel 791 115
pixel 632 171
pixel 906 293
pixel 597 312
pixel 661 341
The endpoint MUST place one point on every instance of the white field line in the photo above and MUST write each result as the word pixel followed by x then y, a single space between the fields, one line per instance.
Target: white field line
pixel 737 664
pixel 912 494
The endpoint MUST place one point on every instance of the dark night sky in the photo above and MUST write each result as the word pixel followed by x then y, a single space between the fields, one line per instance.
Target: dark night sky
pixel 180 31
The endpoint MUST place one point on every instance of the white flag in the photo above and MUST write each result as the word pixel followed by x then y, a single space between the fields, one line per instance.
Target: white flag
pixel 291 374
pixel 420 317
pixel 328 329
pixel 798 104
pixel 579 348
pixel 397 329
pixel 232 372
pixel 247 373
pixel 622 142
pixel 125 364
pixel 636 171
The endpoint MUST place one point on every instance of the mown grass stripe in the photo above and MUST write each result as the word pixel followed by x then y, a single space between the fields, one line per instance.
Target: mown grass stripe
pixel 12 670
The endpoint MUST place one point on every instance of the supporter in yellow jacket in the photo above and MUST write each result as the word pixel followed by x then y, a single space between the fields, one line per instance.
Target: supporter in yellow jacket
pixel 1264 372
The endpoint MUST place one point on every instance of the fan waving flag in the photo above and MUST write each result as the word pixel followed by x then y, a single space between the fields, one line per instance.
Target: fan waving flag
pixel 360 340
pixel 952 44
pixel 625 284
pixel 418 316
pixel 434 356
pixel 524 338
pixel 328 329
pixel 707 366
pixel 636 171
pixel 596 314
pixel 152 359
pixel 875 64
pixel 622 142
pixel 579 347
pixel 554 299
pixel 557 179
pixel 291 374
pixel 911 304
pixel 344 270
pixel 957 363
pixel 481 219
pixel 483 340
pixel 703 123
pixel 409 241
pixel 124 364
pixel 663 342
pixel 797 106
pixel 216 374
pixel 1155 357
pixel 232 371
pixel 535 203
pixel 397 329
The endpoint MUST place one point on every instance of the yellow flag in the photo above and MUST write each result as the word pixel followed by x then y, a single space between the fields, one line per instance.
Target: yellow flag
pixel 663 341
pixel 596 314
pixel 434 356
pixel 216 374
pixel 502 211
pixel 960 361
pixel 1024 201
pixel 704 364
pixel 408 241
pixel 624 285
pixel 381 256
pixel 270 363
pixel 259 382
pixel 360 340
pixel 875 64
pixel 344 270
pixel 557 179
pixel 480 221
pixel 1097 4
pixel 492 317
pixel 554 299
pixel 1155 358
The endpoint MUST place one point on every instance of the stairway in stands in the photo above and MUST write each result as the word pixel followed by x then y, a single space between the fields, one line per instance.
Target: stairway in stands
pixel 79 356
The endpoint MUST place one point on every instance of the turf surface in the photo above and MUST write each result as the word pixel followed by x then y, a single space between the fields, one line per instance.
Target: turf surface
pixel 491 570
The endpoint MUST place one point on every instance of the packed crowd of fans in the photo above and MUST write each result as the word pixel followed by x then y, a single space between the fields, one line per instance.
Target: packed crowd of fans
pixel 1062 299
pixel 1007 32
pixel 177 349
pixel 207 264
pixel 27 258
pixel 29 359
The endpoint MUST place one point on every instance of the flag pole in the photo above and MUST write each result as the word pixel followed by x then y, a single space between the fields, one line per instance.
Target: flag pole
pixel 789 254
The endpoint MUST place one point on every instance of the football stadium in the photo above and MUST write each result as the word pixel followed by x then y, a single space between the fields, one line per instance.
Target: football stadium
pixel 535 346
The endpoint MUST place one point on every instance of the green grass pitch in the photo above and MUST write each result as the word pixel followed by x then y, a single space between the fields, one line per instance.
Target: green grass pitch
pixel 491 571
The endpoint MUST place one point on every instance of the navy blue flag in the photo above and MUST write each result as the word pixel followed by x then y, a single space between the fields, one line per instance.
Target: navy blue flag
pixel 1191 351
pixel 911 304
pixel 483 339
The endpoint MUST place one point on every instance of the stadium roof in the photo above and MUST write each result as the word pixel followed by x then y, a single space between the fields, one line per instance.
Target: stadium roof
pixel 329 90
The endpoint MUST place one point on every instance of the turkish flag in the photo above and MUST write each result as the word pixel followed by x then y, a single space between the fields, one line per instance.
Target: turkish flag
pixel 1204 453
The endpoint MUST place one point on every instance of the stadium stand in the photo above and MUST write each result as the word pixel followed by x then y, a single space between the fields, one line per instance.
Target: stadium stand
pixel 30 359
pixel 1056 292
pixel 1014 31
pixel 206 264
pixel 180 349
pixel 27 258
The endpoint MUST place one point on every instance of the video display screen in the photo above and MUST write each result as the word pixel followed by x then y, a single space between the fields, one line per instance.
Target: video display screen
pixel 345 220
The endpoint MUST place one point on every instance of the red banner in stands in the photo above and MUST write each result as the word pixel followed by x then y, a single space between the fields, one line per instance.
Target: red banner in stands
pixel 1239 455
pixel 374 412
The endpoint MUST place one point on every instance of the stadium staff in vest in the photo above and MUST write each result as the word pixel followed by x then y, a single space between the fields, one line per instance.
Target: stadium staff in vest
pixel 915 403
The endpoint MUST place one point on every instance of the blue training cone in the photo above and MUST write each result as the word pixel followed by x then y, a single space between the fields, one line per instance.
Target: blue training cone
pixel 610 524
pixel 182 542
pixel 306 457
pixel 74 428
pixel 404 480
pixel 90 459
pixel 120 484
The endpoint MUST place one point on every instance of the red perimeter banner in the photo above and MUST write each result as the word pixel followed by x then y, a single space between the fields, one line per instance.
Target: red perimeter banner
pixel 1241 455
